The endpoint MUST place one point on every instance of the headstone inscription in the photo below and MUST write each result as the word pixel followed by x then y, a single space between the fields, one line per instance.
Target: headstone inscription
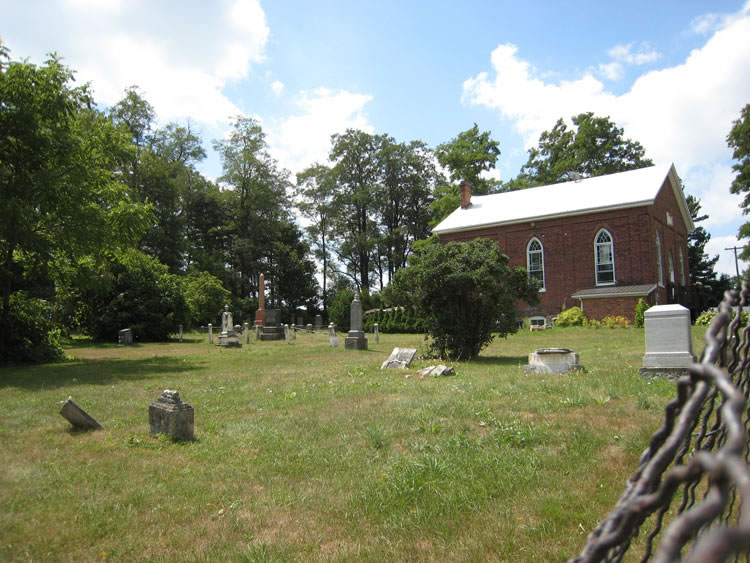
pixel 169 415
pixel 669 347
pixel 355 338
pixel 78 417
pixel 400 358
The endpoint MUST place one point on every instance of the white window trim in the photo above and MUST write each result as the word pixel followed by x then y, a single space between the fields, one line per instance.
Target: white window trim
pixel 543 288
pixel 596 257
pixel 683 281
pixel 659 262
pixel 670 269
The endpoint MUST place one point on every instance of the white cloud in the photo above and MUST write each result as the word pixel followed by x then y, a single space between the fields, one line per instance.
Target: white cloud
pixel 624 54
pixel 302 140
pixel 181 57
pixel 611 71
pixel 277 87
pixel 680 114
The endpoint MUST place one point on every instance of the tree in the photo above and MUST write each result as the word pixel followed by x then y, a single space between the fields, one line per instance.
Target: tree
pixel 708 290
pixel 60 199
pixel 206 297
pixel 465 292
pixel 316 188
pixel 595 148
pixel 739 140
pixel 466 157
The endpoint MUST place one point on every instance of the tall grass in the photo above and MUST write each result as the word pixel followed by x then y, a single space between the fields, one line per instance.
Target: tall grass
pixel 304 451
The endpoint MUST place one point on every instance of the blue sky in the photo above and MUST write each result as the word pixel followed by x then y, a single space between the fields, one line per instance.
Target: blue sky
pixel 673 74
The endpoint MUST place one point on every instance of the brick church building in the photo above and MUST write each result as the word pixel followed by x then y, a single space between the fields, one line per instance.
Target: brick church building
pixel 599 243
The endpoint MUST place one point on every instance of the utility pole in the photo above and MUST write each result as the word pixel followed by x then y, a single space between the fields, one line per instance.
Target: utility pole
pixel 736 263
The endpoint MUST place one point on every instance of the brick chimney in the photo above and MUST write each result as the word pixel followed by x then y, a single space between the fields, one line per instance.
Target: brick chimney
pixel 465 194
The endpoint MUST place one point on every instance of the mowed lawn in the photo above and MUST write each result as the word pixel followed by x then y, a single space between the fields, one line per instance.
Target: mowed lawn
pixel 306 452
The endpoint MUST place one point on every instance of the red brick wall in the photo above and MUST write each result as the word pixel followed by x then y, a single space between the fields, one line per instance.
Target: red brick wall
pixel 568 245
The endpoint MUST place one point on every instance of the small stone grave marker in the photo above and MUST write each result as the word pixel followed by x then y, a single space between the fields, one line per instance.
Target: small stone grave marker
pixel 400 358
pixel 377 333
pixel 125 337
pixel 436 371
pixel 552 360
pixel 333 338
pixel 78 417
pixel 169 415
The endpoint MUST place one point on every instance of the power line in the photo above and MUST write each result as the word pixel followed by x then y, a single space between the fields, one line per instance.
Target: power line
pixel 736 262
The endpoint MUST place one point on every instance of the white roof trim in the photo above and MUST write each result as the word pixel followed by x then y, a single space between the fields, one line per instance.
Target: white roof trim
pixel 624 190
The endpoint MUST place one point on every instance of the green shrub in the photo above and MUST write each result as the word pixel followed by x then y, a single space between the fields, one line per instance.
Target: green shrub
pixel 142 295
pixel 31 335
pixel 615 321
pixel 571 317
pixel 206 296
pixel 640 308
pixel 704 319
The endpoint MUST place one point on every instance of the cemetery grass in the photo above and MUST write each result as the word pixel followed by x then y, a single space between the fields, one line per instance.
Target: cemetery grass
pixel 304 452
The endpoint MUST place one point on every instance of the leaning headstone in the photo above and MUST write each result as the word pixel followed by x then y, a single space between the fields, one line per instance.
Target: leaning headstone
pixel 377 333
pixel 169 415
pixel 125 337
pixel 355 338
pixel 78 417
pixel 669 346
pixel 210 333
pixel 318 322
pixel 400 358
pixel 552 360
pixel 228 337
pixel 333 338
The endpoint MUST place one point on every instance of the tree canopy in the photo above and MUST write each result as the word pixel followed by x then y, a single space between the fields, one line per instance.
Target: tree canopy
pixel 594 147
pixel 739 141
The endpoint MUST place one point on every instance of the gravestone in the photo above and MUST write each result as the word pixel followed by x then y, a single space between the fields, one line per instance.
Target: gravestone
pixel 78 417
pixel 210 333
pixel 247 333
pixel 169 415
pixel 436 371
pixel 400 358
pixel 318 322
pixel 286 334
pixel 294 332
pixel 333 338
pixel 669 346
pixel 273 329
pixel 228 338
pixel 552 360
pixel 355 338
pixel 125 337
pixel 377 333
pixel 260 314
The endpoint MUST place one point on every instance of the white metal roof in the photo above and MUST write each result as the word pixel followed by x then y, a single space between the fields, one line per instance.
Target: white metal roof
pixel 623 190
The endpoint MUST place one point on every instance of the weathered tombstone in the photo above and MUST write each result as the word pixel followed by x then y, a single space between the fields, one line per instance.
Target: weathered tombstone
pixel 355 338
pixel 436 371
pixel 210 333
pixel 400 358
pixel 169 415
pixel 180 337
pixel 333 338
pixel 377 333
pixel 273 329
pixel 78 417
pixel 125 337
pixel 318 322
pixel 309 328
pixel 669 347
pixel 294 332
pixel 257 332
pixel 247 333
pixel 228 338
pixel 552 360
pixel 286 334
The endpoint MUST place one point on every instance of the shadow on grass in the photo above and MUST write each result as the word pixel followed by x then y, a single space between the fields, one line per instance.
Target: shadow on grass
pixel 90 372
pixel 501 360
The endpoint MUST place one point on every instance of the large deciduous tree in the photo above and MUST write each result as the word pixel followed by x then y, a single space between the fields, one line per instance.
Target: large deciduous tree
pixel 59 197
pixel 739 141
pixel 594 147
